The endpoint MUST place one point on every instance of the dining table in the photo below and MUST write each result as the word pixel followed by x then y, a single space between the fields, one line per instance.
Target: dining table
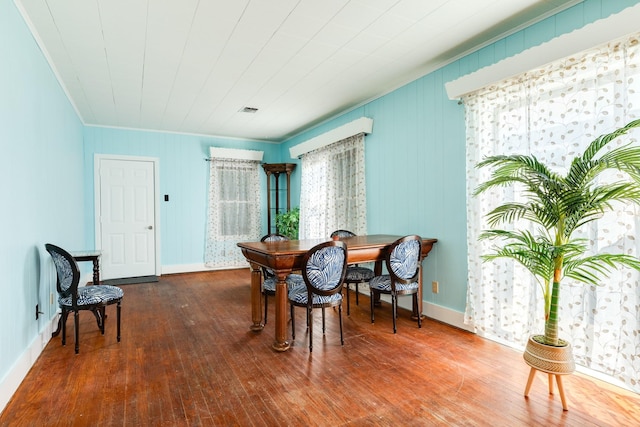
pixel 285 256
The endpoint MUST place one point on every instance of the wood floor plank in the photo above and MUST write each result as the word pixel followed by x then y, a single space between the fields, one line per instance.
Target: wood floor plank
pixel 188 358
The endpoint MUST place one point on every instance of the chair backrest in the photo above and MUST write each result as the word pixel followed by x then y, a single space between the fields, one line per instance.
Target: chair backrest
pixel 324 267
pixel 342 233
pixel 68 273
pixel 273 237
pixel 403 259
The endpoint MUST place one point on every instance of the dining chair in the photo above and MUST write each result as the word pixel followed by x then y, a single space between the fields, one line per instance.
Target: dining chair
pixel 403 267
pixel 355 273
pixel 295 283
pixel 73 298
pixel 323 269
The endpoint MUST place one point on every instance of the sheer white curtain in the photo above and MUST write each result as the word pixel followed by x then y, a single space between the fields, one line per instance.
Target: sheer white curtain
pixel 234 211
pixel 553 113
pixel 332 190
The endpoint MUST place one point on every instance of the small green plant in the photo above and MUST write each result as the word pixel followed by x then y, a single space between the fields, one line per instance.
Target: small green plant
pixel 287 223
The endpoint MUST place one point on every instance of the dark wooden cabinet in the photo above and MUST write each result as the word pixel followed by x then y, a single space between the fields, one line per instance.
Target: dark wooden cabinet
pixel 276 192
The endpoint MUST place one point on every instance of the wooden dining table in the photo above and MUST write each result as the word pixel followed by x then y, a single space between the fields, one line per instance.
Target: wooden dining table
pixel 284 257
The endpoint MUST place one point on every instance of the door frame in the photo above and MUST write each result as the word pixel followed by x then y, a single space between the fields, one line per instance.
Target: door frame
pixel 97 158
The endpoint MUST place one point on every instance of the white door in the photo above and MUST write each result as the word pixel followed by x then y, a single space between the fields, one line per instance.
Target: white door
pixel 126 217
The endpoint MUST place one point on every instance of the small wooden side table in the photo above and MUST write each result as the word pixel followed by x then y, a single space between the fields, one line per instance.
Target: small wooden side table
pixel 94 257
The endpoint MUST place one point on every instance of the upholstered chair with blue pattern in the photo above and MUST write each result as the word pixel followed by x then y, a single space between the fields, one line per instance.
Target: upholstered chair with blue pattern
pixel 323 269
pixel 72 298
pixel 295 283
pixel 403 267
pixel 355 273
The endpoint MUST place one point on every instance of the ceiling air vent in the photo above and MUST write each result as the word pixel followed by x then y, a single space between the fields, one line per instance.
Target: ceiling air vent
pixel 249 110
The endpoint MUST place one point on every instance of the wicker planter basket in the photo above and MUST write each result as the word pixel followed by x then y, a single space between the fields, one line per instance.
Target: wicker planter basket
pixel 549 359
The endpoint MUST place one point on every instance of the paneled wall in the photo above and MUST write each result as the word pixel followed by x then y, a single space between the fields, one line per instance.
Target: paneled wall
pixel 184 177
pixel 415 156
pixel 41 174
pixel 415 170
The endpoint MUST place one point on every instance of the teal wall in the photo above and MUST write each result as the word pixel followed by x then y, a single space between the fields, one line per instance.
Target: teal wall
pixel 184 176
pixel 415 156
pixel 415 166
pixel 41 175
pixel 415 174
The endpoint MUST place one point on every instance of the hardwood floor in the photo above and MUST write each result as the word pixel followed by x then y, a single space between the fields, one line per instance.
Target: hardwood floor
pixel 187 358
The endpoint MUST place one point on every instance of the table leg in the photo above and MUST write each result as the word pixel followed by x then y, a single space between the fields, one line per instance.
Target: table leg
pixel 282 303
pixel 256 297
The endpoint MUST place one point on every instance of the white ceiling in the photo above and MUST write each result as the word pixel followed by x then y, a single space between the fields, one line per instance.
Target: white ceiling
pixel 190 66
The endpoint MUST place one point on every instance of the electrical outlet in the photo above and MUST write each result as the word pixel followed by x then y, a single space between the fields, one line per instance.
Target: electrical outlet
pixel 51 298
pixel 435 287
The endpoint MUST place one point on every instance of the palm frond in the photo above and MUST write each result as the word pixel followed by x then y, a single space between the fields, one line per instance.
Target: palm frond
pixel 590 205
pixel 545 214
pixel 592 269
pixel 535 253
pixel 514 169
pixel 626 159
pixel 596 145
pixel 508 213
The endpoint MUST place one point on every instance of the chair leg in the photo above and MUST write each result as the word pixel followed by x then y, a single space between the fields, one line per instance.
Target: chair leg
pixel 357 292
pixel 293 323
pixel 310 323
pixel 99 318
pixel 118 311
pixel 394 310
pixel 76 319
pixel 340 315
pixel 266 306
pixel 415 304
pixel 323 323
pixel 64 316
pixel 348 305
pixel 371 299
pixel 103 316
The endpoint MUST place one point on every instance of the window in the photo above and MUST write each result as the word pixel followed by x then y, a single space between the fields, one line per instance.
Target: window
pixel 333 194
pixel 553 113
pixel 234 210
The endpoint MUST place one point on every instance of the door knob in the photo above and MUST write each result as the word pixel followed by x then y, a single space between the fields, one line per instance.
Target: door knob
pixel 150 227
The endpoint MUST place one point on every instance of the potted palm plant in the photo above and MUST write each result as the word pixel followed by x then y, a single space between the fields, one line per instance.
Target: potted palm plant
pixel 556 206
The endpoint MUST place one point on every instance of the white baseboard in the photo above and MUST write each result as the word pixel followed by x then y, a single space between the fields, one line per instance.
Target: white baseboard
pixel 445 315
pixel 18 372
pixel 434 311
pixel 194 268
